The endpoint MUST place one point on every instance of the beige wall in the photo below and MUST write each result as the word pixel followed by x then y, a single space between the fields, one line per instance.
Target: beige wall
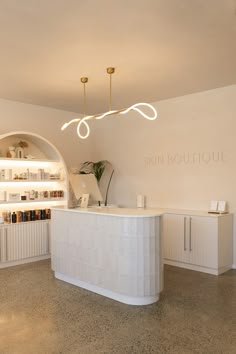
pixel 182 160
pixel 46 122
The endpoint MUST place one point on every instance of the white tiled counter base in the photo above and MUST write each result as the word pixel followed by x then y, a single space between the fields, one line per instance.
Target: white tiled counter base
pixel 118 256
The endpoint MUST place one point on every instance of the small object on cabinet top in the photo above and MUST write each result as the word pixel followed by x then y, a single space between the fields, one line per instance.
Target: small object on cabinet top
pixel 30 157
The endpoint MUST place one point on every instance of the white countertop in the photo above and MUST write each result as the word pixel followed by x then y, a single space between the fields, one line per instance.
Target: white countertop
pixel 138 212
pixel 130 212
pixel 192 212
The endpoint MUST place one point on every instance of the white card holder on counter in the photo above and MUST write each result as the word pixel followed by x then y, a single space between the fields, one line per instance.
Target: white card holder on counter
pixel 140 201
pixel 214 206
pixel 218 207
pixel 84 201
pixel 222 206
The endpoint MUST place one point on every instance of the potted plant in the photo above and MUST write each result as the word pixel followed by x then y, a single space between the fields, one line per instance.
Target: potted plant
pixel 97 168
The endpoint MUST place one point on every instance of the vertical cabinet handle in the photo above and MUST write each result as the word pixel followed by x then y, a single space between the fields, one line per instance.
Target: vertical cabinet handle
pixel 190 234
pixel 48 239
pixel 185 248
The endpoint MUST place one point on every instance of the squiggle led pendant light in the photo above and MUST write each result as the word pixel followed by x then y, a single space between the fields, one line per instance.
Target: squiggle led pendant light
pixel 83 121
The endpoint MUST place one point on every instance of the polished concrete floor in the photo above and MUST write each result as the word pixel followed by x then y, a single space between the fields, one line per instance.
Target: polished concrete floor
pixel 39 314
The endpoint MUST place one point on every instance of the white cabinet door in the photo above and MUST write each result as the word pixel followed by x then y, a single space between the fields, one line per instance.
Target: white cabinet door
pixel 175 237
pixel 191 241
pixel 203 241
pixel 26 240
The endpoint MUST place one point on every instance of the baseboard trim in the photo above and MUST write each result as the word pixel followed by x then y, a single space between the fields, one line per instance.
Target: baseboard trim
pixel 129 300
pixel 24 261
pixel 198 268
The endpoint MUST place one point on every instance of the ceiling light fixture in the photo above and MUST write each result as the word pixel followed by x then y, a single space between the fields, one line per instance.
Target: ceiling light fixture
pixel 82 122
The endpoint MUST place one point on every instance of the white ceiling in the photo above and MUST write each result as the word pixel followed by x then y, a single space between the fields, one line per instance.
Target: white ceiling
pixel 160 49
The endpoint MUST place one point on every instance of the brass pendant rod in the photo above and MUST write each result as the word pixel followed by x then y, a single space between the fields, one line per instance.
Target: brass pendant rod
pixel 84 80
pixel 110 71
pixel 85 101
pixel 110 95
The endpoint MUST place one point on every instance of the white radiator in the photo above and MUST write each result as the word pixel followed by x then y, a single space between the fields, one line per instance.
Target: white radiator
pixel 24 240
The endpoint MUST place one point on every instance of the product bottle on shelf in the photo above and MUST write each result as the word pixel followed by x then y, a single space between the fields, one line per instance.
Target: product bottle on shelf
pixel 18 215
pixel 13 217
pixel 8 217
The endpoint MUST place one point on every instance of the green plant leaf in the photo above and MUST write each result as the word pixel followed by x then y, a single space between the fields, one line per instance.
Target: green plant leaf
pixel 97 168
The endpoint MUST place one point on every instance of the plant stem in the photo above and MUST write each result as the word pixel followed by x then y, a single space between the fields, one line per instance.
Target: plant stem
pixel 108 187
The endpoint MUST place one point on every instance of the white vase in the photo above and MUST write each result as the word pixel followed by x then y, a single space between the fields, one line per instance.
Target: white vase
pixel 12 152
pixel 20 152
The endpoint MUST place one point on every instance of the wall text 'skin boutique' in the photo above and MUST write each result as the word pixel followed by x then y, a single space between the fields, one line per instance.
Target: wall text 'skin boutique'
pixel 189 158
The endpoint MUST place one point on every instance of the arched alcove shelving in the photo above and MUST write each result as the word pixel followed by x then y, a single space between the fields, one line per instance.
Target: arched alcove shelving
pixel 31 182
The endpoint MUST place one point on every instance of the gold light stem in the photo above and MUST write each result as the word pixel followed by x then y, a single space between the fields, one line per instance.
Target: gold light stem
pixel 84 80
pixel 85 101
pixel 110 71
pixel 110 101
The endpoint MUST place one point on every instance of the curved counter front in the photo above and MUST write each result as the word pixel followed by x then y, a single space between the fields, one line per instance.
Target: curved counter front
pixel 113 252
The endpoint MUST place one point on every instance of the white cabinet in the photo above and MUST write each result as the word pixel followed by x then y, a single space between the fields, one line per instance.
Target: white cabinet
pixel 201 243
pixel 24 242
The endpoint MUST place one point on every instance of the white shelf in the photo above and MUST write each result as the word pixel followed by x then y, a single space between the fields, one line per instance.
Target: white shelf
pixel 24 222
pixel 33 201
pixel 31 180
pixel 26 160
pixel 9 163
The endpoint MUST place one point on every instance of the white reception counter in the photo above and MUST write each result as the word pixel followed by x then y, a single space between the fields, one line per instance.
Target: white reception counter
pixel 115 252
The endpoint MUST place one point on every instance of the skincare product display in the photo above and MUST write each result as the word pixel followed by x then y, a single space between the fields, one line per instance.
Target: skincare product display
pixel 33 179
pixel 38 175
pixel 41 195
pixel 30 195
pixel 9 217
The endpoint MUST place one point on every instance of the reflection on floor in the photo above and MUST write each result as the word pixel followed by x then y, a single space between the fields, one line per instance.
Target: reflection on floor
pixel 42 315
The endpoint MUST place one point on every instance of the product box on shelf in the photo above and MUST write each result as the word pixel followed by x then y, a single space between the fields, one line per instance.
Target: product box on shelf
pixel 14 197
pixel 3 196
pixel 2 175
